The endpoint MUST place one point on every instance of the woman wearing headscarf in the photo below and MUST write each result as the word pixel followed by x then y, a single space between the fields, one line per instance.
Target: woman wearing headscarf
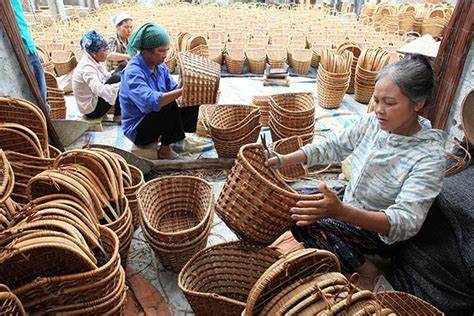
pixel 118 45
pixel 95 89
pixel 148 94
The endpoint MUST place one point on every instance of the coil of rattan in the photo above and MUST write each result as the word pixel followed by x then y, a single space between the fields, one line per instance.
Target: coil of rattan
pixel 233 267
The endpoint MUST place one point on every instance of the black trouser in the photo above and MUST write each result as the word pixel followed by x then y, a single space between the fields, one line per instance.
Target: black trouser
pixel 103 106
pixel 171 122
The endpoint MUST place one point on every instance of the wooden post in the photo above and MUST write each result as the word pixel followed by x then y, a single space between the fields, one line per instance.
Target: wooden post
pixel 56 9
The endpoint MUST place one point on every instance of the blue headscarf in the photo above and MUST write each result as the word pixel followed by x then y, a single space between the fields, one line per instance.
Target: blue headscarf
pixel 93 42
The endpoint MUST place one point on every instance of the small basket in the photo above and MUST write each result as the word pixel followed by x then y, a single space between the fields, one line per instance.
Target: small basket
pixel 256 59
pixel 255 201
pixel 301 61
pixel 200 78
pixel 235 61
pixel 233 267
pixel 175 215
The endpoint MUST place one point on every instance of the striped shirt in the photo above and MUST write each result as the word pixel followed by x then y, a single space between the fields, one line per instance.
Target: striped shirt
pixel 398 175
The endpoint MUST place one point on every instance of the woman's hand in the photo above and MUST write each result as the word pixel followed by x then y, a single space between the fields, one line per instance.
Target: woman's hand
pixel 326 205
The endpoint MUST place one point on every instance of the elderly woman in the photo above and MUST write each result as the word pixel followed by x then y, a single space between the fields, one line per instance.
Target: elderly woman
pixel 398 164
pixel 148 94
pixel 118 45
pixel 95 89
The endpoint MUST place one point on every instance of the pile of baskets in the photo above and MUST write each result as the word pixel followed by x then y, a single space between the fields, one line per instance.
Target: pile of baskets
pixel 57 102
pixel 232 126
pixel 334 75
pixel 73 264
pixel 291 114
pixel 355 50
pixel 200 79
pixel 263 103
pixel 255 201
pixel 369 64
pixel 176 217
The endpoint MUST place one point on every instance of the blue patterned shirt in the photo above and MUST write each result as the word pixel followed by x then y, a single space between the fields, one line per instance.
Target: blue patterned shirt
pixel 398 175
pixel 141 91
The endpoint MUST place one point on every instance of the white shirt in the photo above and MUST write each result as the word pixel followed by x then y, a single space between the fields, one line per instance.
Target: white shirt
pixel 88 84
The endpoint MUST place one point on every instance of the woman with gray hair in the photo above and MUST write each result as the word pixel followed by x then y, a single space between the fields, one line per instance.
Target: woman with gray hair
pixel 397 163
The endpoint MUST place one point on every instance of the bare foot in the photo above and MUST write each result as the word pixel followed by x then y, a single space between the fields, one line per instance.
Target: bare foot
pixel 368 273
pixel 166 152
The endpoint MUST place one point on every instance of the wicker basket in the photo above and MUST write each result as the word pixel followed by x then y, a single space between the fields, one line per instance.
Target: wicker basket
pixel 215 54
pixel 201 50
pixel 263 103
pixel 131 193
pixel 10 304
pixel 64 62
pixel 204 117
pixel 7 178
pixel 176 222
pixel 235 61
pixel 230 148
pixel 200 78
pixel 233 267
pixel 301 61
pixel 256 59
pixel 294 110
pixel 301 266
pixel 58 108
pixel 255 202
pixel 287 146
pixel 233 121
pixel 276 56
pixel 369 64
pixel 405 304
pixel 356 51
pixel 51 81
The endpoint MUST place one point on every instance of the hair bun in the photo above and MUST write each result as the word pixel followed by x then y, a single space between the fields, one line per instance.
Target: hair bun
pixel 422 59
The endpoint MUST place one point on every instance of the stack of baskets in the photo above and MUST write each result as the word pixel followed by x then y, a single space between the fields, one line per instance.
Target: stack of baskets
pixel 334 75
pixel 355 50
pixel 256 60
pixel 176 217
pixel 57 103
pixel 316 49
pixel 255 201
pixel 276 56
pixel 263 103
pixel 232 126
pixel 291 114
pixel 235 61
pixel 131 189
pixel 301 60
pixel 217 280
pixel 204 118
pixel 369 64
pixel 200 79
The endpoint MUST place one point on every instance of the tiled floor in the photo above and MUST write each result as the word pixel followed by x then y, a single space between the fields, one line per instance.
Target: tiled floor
pixel 233 90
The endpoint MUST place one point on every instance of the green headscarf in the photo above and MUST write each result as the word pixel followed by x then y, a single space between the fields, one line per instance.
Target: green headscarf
pixel 149 35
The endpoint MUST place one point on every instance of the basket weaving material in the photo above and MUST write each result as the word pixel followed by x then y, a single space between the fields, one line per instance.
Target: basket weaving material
pixel 176 214
pixel 233 121
pixel 10 304
pixel 217 280
pixel 263 103
pixel 235 61
pixel 200 78
pixel 131 193
pixel 405 304
pixel 255 202
pixel 304 264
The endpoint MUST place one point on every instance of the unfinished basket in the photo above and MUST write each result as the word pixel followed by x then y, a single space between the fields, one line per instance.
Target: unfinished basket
pixel 200 79
pixel 405 304
pixel 255 202
pixel 256 60
pixel 235 61
pixel 176 221
pixel 209 285
pixel 299 266
pixel 287 146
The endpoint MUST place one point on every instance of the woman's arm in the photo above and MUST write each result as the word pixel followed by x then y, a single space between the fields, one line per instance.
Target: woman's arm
pixel 114 56
pixel 168 97
pixel 329 206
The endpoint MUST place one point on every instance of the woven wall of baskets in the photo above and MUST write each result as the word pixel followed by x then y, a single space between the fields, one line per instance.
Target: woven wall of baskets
pixel 355 50
pixel 217 280
pixel 232 126
pixel 255 201
pixel 200 79
pixel 263 103
pixel 334 75
pixel 176 217
pixel 291 114
pixel 369 64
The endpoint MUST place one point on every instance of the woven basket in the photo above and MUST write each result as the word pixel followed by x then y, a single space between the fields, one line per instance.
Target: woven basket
pixel 293 110
pixel 255 202
pixel 51 81
pixel 63 65
pixel 200 78
pixel 16 137
pixel 201 50
pixel 235 61
pixel 230 148
pixel 10 304
pixel 256 59
pixel 301 61
pixel 276 56
pixel 405 304
pixel 7 178
pixel 171 60
pixel 233 121
pixel 131 193
pixel 27 114
pixel 215 54
pixel 58 108
pixel 204 117
pixel 287 146
pixel 304 265
pixel 356 51
pixel 217 280
pixel 176 222
pixel 263 103
pixel 368 65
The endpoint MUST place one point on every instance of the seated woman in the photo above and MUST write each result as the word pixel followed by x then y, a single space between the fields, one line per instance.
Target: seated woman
pixel 95 89
pixel 148 94
pixel 118 45
pixel 398 164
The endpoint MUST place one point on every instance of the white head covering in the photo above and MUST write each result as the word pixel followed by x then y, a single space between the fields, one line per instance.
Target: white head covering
pixel 119 18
